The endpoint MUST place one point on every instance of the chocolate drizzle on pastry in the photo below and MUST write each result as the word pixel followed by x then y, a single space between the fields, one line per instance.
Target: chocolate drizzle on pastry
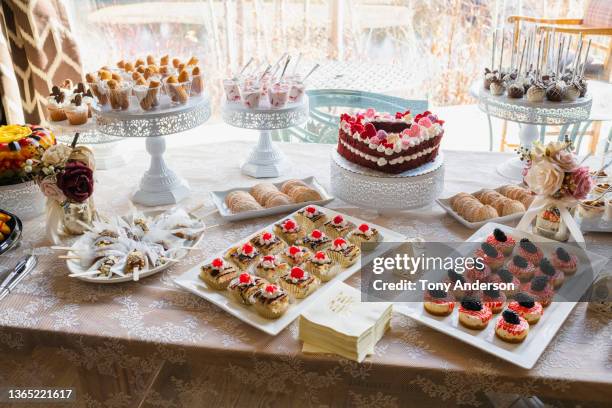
pixel 499 235
pixel 563 255
pixel 539 283
pixel 510 316
pixel 520 261
pixel 528 246
pixel 471 303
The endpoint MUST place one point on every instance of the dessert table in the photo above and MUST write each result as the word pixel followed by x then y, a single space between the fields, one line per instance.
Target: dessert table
pixel 150 344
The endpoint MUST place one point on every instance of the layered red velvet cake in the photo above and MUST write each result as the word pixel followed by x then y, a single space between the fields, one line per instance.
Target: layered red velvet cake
pixel 390 143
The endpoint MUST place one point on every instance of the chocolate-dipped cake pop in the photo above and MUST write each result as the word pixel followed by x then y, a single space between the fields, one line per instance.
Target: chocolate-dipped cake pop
pixel 555 91
pixel 516 90
pixel 572 91
pixel 488 78
pixel 536 92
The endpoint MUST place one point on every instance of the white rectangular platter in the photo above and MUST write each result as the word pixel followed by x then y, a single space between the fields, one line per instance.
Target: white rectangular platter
pixel 445 204
pixel 218 198
pixel 191 282
pixel 524 354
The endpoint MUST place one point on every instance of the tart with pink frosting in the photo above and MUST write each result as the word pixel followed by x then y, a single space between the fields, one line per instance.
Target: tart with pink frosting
pixel 494 300
pixel 478 272
pixel 527 307
pixel 343 252
pixel 490 256
pixel 438 302
pixel 521 268
pixel 268 243
pixel 271 267
pixel 243 256
pixel 299 283
pixel 511 327
pixel 296 255
pixel 502 242
pixel 321 265
pixel 289 230
pixel 530 251
pixel 555 276
pixel 364 234
pixel 541 289
pixel 505 276
pixel 564 261
pixel 271 301
pixel 311 217
pixel 455 279
pixel 338 227
pixel 473 314
pixel 244 287
pixel 218 274
pixel 315 241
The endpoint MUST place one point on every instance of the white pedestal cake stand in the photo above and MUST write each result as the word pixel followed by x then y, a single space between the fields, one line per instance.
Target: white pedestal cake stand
pixel 386 192
pixel 159 185
pixel 106 149
pixel 530 115
pixel 266 159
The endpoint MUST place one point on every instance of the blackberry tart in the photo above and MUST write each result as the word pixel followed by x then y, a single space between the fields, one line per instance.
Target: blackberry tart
pixel 473 314
pixel 511 327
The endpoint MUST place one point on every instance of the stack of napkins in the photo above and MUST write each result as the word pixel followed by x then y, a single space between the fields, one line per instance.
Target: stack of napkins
pixel 340 323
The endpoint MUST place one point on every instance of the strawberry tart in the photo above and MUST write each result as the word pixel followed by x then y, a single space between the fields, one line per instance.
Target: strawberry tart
pixel 390 143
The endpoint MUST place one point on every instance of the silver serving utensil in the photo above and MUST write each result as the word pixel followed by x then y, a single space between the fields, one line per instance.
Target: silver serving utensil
pixel 21 270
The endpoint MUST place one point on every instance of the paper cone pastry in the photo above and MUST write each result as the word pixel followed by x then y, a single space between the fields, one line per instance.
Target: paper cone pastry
pixel 179 88
pixel 149 97
pixel 100 95
pixel 197 84
pixel 118 95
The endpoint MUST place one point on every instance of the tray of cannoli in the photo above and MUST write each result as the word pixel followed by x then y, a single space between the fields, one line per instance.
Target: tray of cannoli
pixel 526 287
pixel 134 246
pixel 503 204
pixel 268 278
pixel 10 231
pixel 265 199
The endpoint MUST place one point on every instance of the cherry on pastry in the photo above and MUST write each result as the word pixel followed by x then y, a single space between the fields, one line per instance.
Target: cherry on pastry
pixel 293 250
pixel 364 228
pixel 297 273
pixel 244 278
pixel 217 262
pixel 316 234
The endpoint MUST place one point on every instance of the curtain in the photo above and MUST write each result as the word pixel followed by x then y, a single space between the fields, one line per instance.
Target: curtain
pixel 42 52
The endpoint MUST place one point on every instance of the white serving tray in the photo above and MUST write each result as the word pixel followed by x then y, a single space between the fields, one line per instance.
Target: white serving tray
pixel 218 198
pixel 446 205
pixel 524 354
pixel 75 267
pixel 191 281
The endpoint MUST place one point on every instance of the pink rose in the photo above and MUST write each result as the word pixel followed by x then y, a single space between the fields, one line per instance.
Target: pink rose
pixel 565 160
pixel 425 122
pixel 49 188
pixel 581 183
pixel 414 130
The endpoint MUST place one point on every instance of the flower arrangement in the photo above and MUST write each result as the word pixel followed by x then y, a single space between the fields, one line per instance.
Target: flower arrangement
pixel 552 170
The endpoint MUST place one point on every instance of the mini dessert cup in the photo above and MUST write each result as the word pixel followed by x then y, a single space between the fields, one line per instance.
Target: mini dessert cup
pixel 148 97
pixel 232 90
pixel 251 96
pixel 178 92
pixel 56 113
pixel 296 92
pixel 100 93
pixel 197 85
pixel 119 97
pixel 279 94
pixel 77 115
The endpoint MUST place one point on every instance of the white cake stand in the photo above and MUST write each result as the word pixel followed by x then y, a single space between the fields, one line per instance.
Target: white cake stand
pixel 530 115
pixel 106 149
pixel 384 192
pixel 159 185
pixel 266 159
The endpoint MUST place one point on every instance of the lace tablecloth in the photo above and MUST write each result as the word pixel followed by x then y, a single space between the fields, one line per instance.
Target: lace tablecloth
pixel 152 344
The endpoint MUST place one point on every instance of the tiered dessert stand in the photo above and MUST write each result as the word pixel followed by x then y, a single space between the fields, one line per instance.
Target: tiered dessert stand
pixel 106 149
pixel 530 115
pixel 266 159
pixel 160 185
pixel 385 192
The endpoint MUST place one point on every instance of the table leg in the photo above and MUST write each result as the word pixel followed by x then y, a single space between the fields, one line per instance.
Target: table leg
pixel 266 159
pixel 513 168
pixel 160 185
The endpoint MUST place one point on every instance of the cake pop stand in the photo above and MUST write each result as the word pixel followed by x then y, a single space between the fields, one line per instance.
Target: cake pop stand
pixel 384 192
pixel 159 185
pixel 530 115
pixel 266 159
pixel 105 147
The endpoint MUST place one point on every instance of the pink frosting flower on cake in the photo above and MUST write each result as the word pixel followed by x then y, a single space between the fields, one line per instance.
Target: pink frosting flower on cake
pixel 375 140
pixel 425 122
pixel 370 113
pixel 415 130
pixel 381 135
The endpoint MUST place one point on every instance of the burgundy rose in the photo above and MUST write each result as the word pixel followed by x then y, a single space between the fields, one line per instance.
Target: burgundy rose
pixel 76 181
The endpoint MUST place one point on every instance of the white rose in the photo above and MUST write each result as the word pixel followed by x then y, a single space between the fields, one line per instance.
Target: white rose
pixel 56 155
pixel 544 178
